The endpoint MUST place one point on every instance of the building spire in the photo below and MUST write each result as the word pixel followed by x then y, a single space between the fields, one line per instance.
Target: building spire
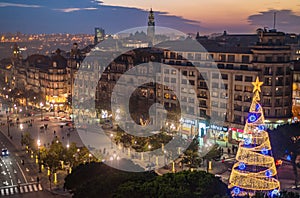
pixel 151 27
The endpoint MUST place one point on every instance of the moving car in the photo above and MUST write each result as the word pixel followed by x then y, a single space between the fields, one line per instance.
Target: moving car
pixel 5 152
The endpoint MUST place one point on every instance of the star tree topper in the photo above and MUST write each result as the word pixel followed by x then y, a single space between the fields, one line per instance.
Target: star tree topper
pixel 257 84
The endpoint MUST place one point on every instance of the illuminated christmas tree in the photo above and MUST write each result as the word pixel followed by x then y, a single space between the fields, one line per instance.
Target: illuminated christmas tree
pixel 255 168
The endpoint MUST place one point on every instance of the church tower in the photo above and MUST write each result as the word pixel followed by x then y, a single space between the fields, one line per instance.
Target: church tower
pixel 151 26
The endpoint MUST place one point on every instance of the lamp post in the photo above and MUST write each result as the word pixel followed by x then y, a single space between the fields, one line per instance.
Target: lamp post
pixel 39 155
pixel 8 132
pixel 149 147
pixel 111 139
pixel 41 105
pixel 90 155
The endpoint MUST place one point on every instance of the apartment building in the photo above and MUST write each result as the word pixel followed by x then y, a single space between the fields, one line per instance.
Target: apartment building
pixel 222 79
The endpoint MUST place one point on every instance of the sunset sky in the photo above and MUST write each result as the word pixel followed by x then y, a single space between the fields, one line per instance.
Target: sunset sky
pixel 81 16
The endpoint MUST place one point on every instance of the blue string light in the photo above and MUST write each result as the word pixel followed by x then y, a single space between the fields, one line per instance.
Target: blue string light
pixel 264 151
pixel 257 106
pixel 247 141
pixel 274 193
pixel 268 173
pixel 252 117
pixel 236 190
pixel 242 166
pixel 261 127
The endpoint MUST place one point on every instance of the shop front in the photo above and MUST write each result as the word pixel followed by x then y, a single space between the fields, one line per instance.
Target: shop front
pixel 218 133
pixel 188 127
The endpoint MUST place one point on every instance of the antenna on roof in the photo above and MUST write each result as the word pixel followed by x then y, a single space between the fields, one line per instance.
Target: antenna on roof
pixel 274 20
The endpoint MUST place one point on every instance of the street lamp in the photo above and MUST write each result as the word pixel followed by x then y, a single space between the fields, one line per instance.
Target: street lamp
pixel 111 139
pixel 39 155
pixel 90 155
pixel 8 123
pixel 149 147
pixel 41 105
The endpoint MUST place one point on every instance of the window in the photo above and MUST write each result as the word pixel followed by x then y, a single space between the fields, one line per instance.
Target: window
pixel 287 81
pixel 245 59
pixel 226 86
pixel 280 59
pixel 238 88
pixel 166 71
pixel 279 71
pixel 248 79
pixel 222 57
pixel 298 52
pixel 214 104
pixel 215 94
pixel 224 76
pixel 244 67
pixel 278 102
pixel 268 81
pixel 231 58
pixel 278 112
pixel 237 107
pixel 198 57
pixel 173 71
pixel 229 66
pixel 215 76
pixel 192 82
pixel 268 59
pixel 248 89
pixel 247 99
pixel 190 56
pixel 215 85
pixel 237 118
pixel 238 97
pixel 220 65
pixel 203 94
pixel 268 70
pixel 267 112
pixel 173 80
pixel 166 79
pixel 191 73
pixel 183 81
pixel 202 85
pixel 238 78
pixel 202 112
pixel 223 105
pixel 202 103
pixel 184 73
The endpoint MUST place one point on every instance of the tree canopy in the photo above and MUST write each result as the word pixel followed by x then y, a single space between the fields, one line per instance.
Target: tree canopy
pixel 95 179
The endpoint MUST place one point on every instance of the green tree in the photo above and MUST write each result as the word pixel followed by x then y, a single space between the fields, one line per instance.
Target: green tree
pixel 191 155
pixel 55 154
pixel 181 184
pixel 27 140
pixel 285 140
pixel 99 180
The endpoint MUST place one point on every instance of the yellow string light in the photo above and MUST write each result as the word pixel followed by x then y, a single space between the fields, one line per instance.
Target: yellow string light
pixel 260 174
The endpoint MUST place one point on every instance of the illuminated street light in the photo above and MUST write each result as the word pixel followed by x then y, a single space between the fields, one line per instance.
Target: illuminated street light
pixel 111 137
pixel 90 155
pixel 149 147
pixel 41 105
pixel 39 155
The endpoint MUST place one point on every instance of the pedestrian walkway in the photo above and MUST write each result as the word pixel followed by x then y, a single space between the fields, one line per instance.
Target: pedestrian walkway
pixel 23 188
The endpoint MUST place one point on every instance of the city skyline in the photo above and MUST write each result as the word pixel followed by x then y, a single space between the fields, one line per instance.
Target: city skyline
pixel 115 16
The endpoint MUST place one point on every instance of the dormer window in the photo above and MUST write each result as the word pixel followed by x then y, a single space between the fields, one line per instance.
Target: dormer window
pixel 54 64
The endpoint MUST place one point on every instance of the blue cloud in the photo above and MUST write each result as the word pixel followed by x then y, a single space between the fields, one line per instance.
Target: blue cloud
pixel 286 20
